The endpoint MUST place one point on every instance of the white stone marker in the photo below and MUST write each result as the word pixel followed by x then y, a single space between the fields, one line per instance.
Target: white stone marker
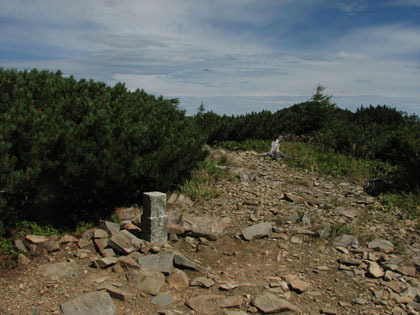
pixel 154 221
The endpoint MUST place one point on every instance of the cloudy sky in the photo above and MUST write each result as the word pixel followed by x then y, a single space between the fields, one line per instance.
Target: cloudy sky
pixel 235 56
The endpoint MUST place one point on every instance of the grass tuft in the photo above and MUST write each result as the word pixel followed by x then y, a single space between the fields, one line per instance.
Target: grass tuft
pixel 198 186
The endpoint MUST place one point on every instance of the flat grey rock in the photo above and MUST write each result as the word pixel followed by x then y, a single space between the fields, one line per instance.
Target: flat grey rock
pixel 183 262
pixel 20 246
pixel 162 262
pixel 382 245
pixel 202 282
pixel 209 227
pixel 23 260
pixel 106 262
pixel 324 232
pixel 257 231
pixel 92 303
pixel 125 242
pixel 114 292
pixel 60 270
pixel 147 281
pixel 346 241
pixel 111 227
pixel 230 312
pixel 163 299
pixel 204 304
pixel 269 303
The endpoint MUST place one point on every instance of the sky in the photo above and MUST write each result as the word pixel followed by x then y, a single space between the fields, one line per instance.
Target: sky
pixel 234 56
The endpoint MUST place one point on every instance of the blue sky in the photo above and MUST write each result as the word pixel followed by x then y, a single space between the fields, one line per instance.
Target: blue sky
pixel 260 54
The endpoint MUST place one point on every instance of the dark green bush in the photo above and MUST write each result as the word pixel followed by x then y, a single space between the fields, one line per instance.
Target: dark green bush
pixel 74 149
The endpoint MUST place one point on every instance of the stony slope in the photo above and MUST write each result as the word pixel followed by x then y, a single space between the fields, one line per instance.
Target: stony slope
pixel 296 258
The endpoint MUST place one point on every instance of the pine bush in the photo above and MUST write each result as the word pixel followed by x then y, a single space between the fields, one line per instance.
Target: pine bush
pixel 72 149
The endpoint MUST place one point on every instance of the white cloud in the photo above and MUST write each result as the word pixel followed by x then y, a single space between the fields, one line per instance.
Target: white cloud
pixel 164 48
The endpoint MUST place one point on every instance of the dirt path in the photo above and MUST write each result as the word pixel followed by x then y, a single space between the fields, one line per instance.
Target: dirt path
pixel 297 261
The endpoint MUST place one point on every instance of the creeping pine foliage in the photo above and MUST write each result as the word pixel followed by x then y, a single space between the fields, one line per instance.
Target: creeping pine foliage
pixel 71 149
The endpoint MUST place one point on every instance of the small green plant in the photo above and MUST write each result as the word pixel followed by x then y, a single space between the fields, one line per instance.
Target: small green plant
pixel 246 145
pixel 302 182
pixel 115 218
pixel 6 247
pixel 365 237
pixel 223 160
pixel 37 229
pixel 198 186
pixel 340 229
pixel 83 226
pixel 405 205
pixel 336 202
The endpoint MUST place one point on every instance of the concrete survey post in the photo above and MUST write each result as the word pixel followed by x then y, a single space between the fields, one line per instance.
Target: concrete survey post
pixel 154 221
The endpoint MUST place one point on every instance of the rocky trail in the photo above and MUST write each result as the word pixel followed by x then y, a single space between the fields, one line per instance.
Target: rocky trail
pixel 276 240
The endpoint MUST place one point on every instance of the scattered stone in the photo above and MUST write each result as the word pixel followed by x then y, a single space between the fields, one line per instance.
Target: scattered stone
pixel 147 281
pixel 100 233
pixel 293 218
pixel 23 260
pixel 178 279
pixel 84 243
pixel 204 304
pixel 202 282
pixel 323 268
pixel 67 239
pixel 60 270
pixel 228 286
pixel 162 262
pixel 346 241
pixel 348 213
pixel 382 245
pixel 374 270
pixel 306 218
pixel 230 312
pixel 407 271
pixel 230 301
pixel 105 262
pixel 101 243
pixel 324 232
pixel 257 231
pixel 52 245
pixel 183 262
pixel 110 227
pixel 163 299
pixel 328 311
pixel 389 275
pixel 296 240
pixel 349 261
pixel 125 242
pixel 269 303
pixel 82 253
pixel 359 301
pixel 394 285
pixel 299 285
pixel 115 292
pixel 20 246
pixel 126 262
pixel 37 239
pixel 92 303
pixel 132 228
pixel 293 198
pixel 172 198
pixel 127 213
pixel 175 229
pixel 209 227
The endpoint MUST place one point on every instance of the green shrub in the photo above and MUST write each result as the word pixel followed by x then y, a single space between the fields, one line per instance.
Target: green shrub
pixel 74 149
pixel 260 146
